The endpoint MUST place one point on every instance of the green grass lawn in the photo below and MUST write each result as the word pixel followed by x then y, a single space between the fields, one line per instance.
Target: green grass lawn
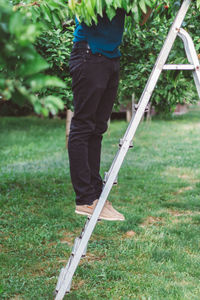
pixel 154 254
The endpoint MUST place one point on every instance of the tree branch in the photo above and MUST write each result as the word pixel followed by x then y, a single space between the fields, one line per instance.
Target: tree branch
pixel 18 6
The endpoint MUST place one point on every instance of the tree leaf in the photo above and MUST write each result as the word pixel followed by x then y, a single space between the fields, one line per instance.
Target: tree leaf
pixel 40 81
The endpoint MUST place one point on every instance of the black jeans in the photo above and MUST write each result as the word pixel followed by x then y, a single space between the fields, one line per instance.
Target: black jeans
pixel 94 83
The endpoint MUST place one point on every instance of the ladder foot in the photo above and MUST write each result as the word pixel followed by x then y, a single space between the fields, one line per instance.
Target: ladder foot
pixel 61 278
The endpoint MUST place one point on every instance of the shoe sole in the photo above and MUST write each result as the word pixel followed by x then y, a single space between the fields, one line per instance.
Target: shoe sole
pixel 100 218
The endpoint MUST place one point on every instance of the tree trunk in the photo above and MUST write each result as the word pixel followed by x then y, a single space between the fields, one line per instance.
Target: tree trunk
pixel 148 114
pixel 128 113
pixel 69 115
pixel 130 109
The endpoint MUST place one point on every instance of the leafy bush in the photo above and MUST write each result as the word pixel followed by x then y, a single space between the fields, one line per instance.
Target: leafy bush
pixel 21 67
pixel 88 10
pixel 55 46
pixel 34 50
pixel 139 50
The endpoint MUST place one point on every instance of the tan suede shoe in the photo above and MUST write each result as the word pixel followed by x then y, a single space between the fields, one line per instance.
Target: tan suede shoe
pixel 111 208
pixel 108 213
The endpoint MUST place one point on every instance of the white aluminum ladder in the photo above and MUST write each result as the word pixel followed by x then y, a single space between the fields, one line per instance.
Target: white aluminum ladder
pixel 80 245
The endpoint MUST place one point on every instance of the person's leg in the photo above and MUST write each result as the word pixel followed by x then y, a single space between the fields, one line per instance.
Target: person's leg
pixel 103 114
pixel 89 123
pixel 90 77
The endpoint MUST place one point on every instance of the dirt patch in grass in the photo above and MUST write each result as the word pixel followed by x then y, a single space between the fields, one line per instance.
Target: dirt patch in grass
pixel 152 221
pixel 91 257
pixel 187 174
pixel 185 220
pixel 78 285
pixel 177 213
pixel 177 216
pixel 17 297
pixel 182 190
pixel 184 176
pixel 192 126
pixel 63 261
pixel 129 234
pixel 69 237
pixel 188 178
pixel 40 268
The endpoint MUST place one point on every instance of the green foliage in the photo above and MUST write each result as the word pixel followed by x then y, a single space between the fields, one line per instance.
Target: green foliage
pixel 21 66
pixel 141 46
pixel 89 10
pixel 35 49
pixel 51 13
pixel 55 46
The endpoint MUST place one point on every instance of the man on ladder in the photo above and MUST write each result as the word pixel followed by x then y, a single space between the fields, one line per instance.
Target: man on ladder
pixel 94 66
pixel 80 245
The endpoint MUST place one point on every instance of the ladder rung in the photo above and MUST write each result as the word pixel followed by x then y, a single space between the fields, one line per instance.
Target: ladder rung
pixel 136 106
pixel 106 178
pixel 76 245
pixel 179 67
pixel 121 143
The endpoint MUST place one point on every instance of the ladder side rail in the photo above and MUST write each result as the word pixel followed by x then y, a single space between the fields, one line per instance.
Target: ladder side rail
pixel 128 137
pixel 191 55
pixel 186 45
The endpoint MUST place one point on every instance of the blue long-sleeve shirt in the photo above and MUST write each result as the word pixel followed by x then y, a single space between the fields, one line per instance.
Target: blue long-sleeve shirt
pixel 105 37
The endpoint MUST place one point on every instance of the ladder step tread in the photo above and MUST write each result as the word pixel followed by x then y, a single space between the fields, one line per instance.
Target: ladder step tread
pixel 179 67
pixel 106 175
